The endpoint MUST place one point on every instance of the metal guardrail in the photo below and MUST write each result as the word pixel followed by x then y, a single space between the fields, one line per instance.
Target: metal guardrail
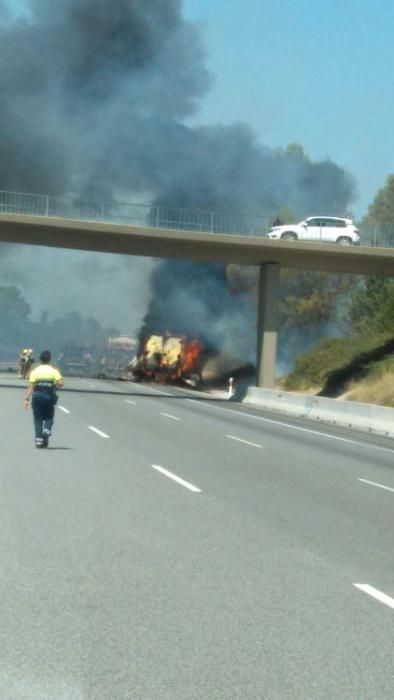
pixel 377 236
pixel 162 217
pixel 133 214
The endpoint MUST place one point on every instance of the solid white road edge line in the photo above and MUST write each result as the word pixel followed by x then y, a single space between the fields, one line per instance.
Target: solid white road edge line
pixel 65 410
pixel 379 486
pixel 246 442
pixel 176 478
pixel 168 415
pixel 98 432
pixel 132 402
pixel 375 593
pixel 294 427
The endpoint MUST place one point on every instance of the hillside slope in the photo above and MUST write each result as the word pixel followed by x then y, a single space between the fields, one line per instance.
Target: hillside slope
pixel 360 368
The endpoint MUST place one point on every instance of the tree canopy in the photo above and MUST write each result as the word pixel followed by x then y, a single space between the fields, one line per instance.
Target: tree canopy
pixel 372 306
pixel 381 211
pixel 372 303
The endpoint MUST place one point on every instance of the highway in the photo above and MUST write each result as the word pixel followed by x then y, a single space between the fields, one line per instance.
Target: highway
pixel 174 546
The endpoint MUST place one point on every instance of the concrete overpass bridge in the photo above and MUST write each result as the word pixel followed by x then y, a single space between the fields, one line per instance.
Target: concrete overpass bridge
pixel 269 256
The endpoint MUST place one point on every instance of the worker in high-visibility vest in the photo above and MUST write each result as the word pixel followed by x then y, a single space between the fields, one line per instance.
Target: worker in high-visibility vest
pixel 44 381
pixel 26 361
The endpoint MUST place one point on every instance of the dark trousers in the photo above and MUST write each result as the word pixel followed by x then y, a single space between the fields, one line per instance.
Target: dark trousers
pixel 43 412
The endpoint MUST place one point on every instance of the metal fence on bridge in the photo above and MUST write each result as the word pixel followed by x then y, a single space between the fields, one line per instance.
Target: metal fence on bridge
pixel 162 217
pixel 133 214
pixel 377 236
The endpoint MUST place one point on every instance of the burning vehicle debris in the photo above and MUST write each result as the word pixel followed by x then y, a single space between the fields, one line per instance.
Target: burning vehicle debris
pixel 170 359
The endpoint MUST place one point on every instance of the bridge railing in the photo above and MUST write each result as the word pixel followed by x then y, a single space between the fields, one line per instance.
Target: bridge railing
pixel 131 213
pixel 183 219
pixel 377 236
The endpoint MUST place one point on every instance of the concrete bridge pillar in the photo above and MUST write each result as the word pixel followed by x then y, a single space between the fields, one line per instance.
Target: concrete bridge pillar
pixel 267 326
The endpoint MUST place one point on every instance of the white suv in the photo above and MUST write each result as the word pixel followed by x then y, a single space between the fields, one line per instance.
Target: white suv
pixel 327 229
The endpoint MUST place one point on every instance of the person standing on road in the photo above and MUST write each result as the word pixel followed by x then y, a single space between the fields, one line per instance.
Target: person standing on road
pixel 277 221
pixel 44 381
pixel 26 360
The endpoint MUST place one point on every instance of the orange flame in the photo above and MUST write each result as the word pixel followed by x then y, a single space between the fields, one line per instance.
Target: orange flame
pixel 191 355
pixel 187 363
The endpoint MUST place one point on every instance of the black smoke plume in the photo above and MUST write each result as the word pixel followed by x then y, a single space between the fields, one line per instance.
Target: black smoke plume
pixel 88 88
pixel 95 97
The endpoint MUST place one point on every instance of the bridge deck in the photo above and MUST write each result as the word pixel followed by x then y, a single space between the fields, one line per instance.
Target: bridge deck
pixel 185 245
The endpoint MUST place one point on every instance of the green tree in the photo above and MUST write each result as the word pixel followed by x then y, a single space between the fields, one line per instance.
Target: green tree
pixel 306 298
pixel 381 211
pixel 372 306
pixel 311 299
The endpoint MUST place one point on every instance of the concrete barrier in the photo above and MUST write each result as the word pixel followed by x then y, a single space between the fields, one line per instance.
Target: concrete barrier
pixel 11 366
pixel 351 414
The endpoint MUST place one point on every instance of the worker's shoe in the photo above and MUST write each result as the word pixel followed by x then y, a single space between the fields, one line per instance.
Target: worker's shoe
pixel 45 441
pixel 39 442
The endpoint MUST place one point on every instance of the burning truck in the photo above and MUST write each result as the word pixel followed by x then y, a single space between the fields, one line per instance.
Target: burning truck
pixel 170 359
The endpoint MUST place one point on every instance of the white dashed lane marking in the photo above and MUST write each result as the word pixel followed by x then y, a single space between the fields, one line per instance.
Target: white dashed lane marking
pixel 176 478
pixel 375 593
pixel 291 426
pixel 378 486
pixel 245 442
pixel 98 432
pixel 65 410
pixel 168 415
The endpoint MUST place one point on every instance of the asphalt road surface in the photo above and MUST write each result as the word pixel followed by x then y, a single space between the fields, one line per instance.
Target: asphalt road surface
pixel 169 546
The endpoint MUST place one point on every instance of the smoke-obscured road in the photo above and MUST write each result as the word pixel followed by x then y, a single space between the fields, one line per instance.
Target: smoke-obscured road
pixel 173 547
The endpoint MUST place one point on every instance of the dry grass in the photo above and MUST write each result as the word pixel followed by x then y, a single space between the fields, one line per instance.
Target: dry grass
pixel 374 384
pixel 379 390
pixel 280 385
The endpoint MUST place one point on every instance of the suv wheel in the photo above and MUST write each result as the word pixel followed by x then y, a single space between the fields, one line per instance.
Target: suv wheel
pixel 289 236
pixel 344 240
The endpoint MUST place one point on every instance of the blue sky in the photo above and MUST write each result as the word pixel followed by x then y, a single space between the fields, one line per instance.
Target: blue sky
pixel 319 73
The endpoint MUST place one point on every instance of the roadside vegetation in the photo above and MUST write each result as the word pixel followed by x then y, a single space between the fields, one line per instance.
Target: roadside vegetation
pixel 359 368
pixel 360 365
pixel 378 386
